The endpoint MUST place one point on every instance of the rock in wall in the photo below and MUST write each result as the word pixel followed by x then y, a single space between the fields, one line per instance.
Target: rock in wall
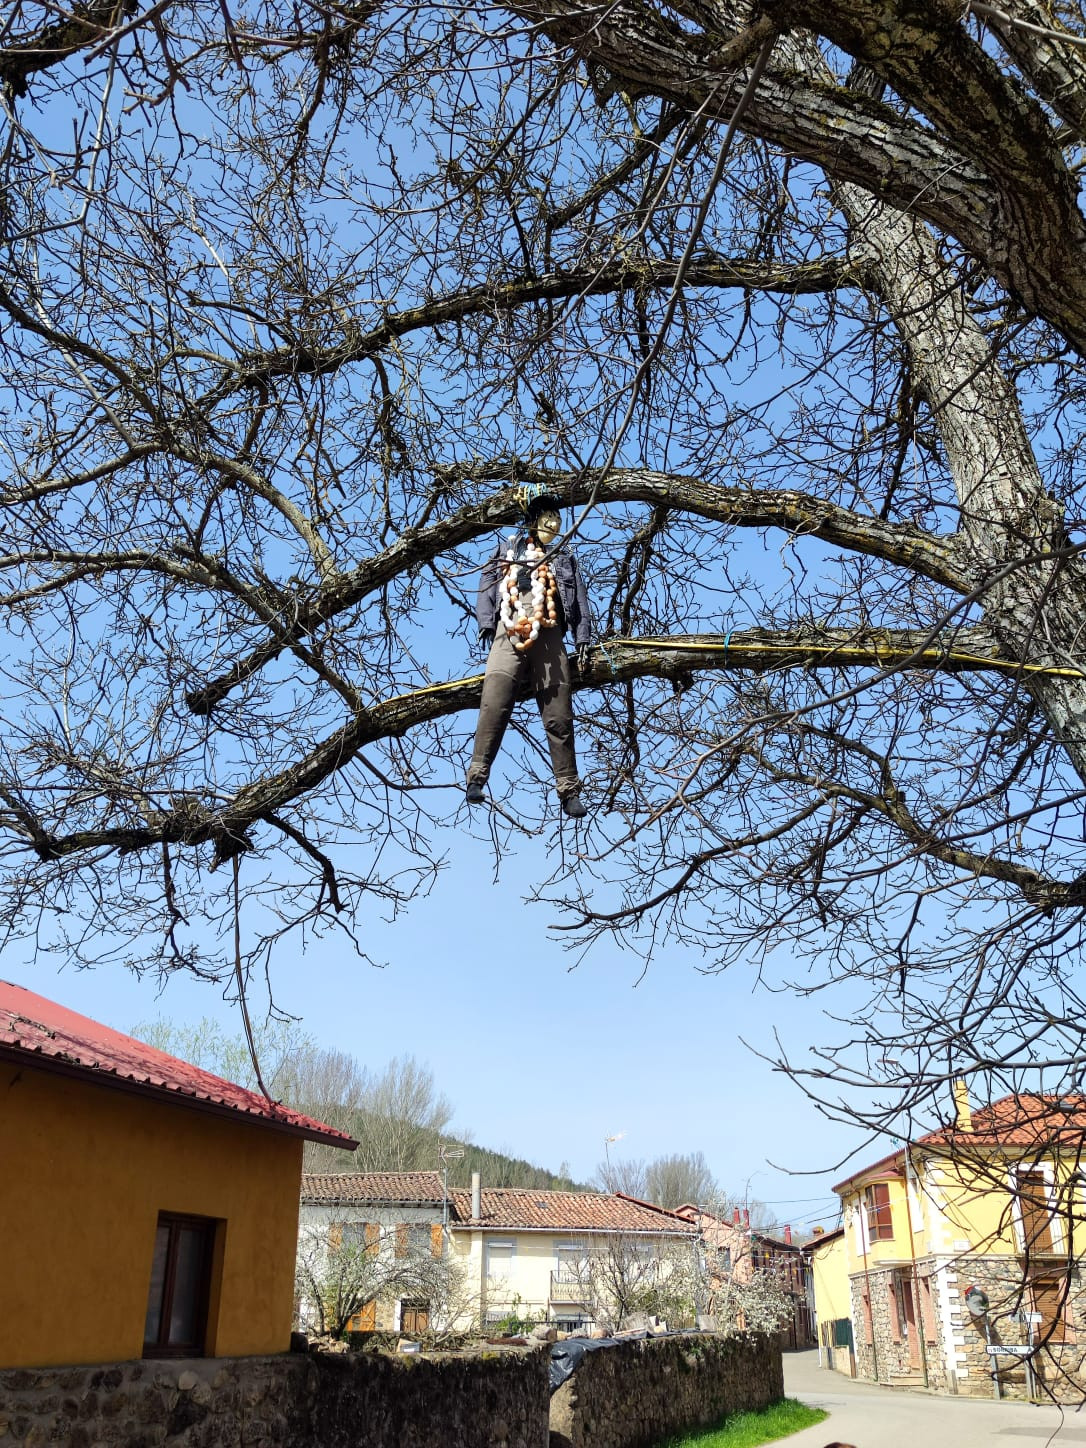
pixel 638 1393
pixel 487 1399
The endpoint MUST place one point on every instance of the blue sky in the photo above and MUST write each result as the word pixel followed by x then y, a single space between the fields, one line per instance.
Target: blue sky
pixel 540 1057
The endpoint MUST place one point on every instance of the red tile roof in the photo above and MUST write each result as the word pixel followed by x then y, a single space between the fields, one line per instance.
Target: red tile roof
pixel 41 1033
pixel 1023 1120
pixel 503 1208
pixel 1029 1121
pixel 525 1209
pixel 823 1237
pixel 392 1188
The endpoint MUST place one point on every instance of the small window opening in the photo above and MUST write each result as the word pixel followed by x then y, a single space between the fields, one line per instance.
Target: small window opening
pixel 177 1302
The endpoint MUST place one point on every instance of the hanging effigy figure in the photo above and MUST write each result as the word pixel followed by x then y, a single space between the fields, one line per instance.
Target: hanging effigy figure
pixel 528 598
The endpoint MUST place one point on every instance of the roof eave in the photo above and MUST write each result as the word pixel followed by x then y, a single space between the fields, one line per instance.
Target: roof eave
pixel 477 1226
pixel 345 1201
pixel 94 1076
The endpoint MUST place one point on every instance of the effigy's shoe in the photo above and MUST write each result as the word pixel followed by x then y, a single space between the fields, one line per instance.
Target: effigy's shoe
pixel 573 806
pixel 474 793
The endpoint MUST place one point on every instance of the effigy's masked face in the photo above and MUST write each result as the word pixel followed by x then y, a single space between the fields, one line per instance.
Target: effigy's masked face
pixel 547 526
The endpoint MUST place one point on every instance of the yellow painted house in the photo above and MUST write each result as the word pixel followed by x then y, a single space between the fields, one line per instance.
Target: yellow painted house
pixel 517 1254
pixel 147 1208
pixel 962 1252
pixel 828 1274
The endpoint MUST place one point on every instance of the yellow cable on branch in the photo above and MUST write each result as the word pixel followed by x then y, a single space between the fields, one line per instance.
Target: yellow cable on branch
pixel 881 652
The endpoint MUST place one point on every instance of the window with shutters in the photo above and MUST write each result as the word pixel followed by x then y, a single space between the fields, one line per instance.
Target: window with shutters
pixel 499 1261
pixel 415 1316
pixel 880 1218
pixel 364 1320
pixel 413 1239
pixel 1035 1207
pixel 1051 1302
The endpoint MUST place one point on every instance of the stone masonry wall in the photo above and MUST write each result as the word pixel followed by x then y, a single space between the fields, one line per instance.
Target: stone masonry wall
pixel 641 1392
pixel 888 1359
pixel 1060 1367
pixel 493 1399
pixel 633 1394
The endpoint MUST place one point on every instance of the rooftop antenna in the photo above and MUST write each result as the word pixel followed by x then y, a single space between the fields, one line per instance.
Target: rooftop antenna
pixel 447 1154
pixel 607 1140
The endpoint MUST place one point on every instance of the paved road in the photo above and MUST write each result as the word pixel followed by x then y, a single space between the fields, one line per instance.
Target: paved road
pixel 874 1417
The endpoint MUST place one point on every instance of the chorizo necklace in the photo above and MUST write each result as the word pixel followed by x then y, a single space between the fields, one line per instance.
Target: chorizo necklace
pixel 524 614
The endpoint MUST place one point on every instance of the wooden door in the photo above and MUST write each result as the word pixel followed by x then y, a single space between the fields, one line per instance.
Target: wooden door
pixel 415 1317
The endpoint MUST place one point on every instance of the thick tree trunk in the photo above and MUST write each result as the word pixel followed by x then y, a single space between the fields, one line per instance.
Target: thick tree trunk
pixel 1011 541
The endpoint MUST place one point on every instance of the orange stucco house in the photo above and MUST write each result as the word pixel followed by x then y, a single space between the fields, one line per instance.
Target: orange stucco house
pixel 147 1208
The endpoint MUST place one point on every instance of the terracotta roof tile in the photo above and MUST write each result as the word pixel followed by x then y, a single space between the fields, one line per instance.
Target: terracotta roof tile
pixel 58 1039
pixel 1022 1120
pixel 504 1208
pixel 390 1187
pixel 1030 1121
pixel 518 1207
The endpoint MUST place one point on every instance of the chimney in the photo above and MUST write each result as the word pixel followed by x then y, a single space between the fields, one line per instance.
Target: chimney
pixel 476 1196
pixel 746 1219
pixel 963 1116
pixel 787 1234
pixel 737 1218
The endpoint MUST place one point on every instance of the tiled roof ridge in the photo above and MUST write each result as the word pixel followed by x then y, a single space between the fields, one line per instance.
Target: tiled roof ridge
pixel 428 1174
pixel 527 1208
pixel 503 1208
pixel 650 1206
pixel 60 1039
pixel 994 1124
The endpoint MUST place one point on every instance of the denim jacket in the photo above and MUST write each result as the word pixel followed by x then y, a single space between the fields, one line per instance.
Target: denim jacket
pixel 576 614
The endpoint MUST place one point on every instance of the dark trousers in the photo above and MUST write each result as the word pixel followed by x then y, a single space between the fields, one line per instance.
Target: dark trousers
pixel 546 665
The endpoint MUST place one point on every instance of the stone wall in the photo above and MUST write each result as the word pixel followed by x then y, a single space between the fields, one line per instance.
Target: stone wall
pixel 890 1358
pixel 635 1393
pixel 641 1392
pixel 1059 1366
pixel 492 1399
pixel 955 1355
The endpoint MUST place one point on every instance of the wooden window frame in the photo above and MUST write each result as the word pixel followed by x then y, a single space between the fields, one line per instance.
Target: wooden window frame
pixel 208 1229
pixel 880 1212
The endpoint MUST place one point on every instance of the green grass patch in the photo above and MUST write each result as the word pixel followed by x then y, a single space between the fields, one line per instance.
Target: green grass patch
pixel 747 1430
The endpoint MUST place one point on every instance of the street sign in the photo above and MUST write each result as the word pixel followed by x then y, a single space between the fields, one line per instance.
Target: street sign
pixel 998 1350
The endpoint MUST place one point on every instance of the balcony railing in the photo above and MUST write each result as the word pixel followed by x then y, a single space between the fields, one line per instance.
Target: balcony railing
pixel 567 1287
